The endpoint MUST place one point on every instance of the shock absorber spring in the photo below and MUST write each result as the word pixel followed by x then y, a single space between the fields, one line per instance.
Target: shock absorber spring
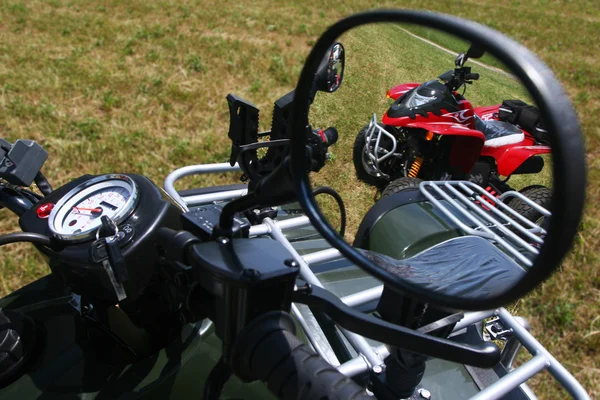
pixel 415 167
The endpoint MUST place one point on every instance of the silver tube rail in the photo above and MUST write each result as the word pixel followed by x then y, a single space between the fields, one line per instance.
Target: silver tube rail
pixel 329 356
pixel 555 368
pixel 463 206
pixel 532 226
pixel 516 378
pixel 359 364
pixel 486 217
pixel 363 297
pixel 199 169
pixel 264 229
pixel 217 196
pixel 358 342
pixel 513 379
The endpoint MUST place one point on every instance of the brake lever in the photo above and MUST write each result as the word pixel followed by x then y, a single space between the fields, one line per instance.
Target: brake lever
pixel 485 355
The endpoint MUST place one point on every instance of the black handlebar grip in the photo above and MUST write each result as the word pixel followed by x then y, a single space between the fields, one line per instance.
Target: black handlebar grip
pixel 474 76
pixel 268 350
pixel 331 135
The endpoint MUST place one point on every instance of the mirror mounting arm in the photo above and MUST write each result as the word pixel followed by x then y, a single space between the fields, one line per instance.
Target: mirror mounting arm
pixel 485 355
pixel 274 189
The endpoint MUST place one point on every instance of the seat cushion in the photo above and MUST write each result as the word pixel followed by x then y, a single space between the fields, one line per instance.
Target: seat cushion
pixel 469 267
pixel 499 133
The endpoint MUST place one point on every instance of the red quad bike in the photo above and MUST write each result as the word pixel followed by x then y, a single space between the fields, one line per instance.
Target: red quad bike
pixel 431 132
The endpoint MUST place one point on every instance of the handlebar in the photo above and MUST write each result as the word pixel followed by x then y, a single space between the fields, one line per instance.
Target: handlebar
pixel 268 350
pixel 472 77
pixel 14 201
pixel 330 136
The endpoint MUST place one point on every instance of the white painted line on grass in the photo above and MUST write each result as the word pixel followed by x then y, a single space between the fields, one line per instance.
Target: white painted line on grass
pixel 498 70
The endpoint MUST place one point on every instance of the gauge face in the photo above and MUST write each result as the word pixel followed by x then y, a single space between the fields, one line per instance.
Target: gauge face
pixel 77 215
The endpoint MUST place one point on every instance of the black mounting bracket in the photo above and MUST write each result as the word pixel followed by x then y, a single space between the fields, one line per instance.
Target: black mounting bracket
pixel 484 355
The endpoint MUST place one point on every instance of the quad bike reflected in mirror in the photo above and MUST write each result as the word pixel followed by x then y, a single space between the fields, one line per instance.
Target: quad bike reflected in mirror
pixel 400 129
pixel 432 131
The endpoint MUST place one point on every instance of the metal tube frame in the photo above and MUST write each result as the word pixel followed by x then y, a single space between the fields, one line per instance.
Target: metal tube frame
pixel 199 169
pixel 371 130
pixel 370 357
pixel 466 204
pixel 359 343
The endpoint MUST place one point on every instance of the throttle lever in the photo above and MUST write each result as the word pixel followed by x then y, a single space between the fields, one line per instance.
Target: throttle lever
pixel 484 355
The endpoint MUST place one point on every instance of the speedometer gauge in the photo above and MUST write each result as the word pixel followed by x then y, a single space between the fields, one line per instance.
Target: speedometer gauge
pixel 77 215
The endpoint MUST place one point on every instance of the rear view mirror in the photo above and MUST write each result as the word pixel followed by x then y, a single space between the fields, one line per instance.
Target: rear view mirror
pixel 331 71
pixel 475 51
pixel 433 133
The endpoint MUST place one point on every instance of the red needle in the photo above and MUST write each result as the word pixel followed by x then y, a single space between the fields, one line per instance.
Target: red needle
pixel 87 209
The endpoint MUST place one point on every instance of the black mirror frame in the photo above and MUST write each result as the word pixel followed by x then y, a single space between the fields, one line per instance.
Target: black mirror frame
pixel 569 173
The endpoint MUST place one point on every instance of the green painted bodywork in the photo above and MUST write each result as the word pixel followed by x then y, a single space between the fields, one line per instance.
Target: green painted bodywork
pixel 409 229
pixel 68 366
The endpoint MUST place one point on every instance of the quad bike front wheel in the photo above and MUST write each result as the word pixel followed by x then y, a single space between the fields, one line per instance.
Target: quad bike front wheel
pixel 540 195
pixel 365 168
pixel 401 184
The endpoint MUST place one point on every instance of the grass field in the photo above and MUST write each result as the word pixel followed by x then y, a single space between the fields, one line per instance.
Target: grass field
pixel 132 86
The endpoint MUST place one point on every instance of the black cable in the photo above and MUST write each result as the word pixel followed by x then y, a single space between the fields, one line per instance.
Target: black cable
pixel 331 191
pixel 24 237
pixel 32 196
pixel 43 184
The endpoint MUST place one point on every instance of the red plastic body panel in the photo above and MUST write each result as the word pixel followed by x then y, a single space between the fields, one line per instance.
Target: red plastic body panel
pixel 448 129
pixel 509 158
pixel 468 143
pixel 397 91
pixel 487 113
pixel 462 117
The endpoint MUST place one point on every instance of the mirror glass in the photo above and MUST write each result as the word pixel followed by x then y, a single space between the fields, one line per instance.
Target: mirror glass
pixel 335 68
pixel 331 72
pixel 443 167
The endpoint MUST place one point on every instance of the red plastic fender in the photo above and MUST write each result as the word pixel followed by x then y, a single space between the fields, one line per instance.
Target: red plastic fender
pixel 397 91
pixel 509 158
pixel 487 113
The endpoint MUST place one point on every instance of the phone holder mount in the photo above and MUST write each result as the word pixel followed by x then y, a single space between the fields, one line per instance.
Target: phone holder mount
pixel 244 135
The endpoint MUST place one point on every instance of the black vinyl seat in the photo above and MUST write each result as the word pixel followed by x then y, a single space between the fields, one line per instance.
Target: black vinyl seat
pixel 499 133
pixel 465 266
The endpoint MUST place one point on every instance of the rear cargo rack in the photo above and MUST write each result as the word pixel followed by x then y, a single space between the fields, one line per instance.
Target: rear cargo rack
pixel 477 212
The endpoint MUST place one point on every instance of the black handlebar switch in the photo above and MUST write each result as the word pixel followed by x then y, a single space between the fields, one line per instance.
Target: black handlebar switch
pixel 202 220
pixel 21 162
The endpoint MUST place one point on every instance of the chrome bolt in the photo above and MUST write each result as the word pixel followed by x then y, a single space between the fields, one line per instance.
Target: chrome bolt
pixel 377 369
pixel 425 394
